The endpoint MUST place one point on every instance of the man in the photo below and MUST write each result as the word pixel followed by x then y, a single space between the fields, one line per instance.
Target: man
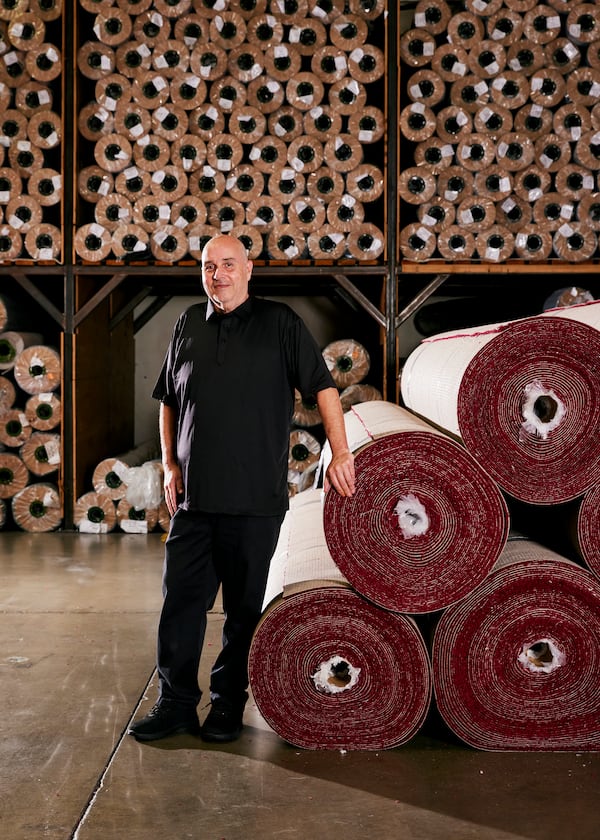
pixel 227 395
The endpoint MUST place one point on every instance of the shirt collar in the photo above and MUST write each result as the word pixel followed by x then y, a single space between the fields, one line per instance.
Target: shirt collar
pixel 242 311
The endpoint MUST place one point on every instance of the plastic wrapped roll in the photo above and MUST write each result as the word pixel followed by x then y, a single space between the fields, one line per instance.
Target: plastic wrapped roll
pixel 285 184
pixel 43 412
pixel 150 90
pixel 14 475
pixel 533 243
pixel 455 183
pixel 248 124
pixel 13 126
pixel 264 213
pixel 453 124
pixel 428 87
pixel 450 62
pixel 224 153
pixel 266 95
pixel 170 122
pixel 365 243
pixel 571 121
pixel 23 213
pixel 14 428
pixel 286 123
pixel 306 36
pixel 150 27
pixel 133 182
pixel 44 242
pixel 307 214
pixel 24 157
pixel 314 682
pixel 37 508
pixel 13 343
pixel 44 63
pixel 593 55
pixel 170 57
pixel 525 57
pixel 187 91
pixel 113 152
pixel 541 24
pixel 208 61
pixel 95 513
pixel 113 27
pixel 285 243
pixel 226 213
pixel 130 242
pixel 583 23
pixel 147 212
pixel 281 61
pixel 417 122
pixel 348 31
pixel 94 120
pixel 523 390
pixel 432 15
pixel 552 210
pixel 496 244
pixel 133 56
pixel 531 183
pixel 7 393
pixel 37 369
pixel 306 91
pixel 47 10
pixel 435 154
pixel 510 90
pixel 366 63
pixel 358 393
pixel 437 214
pixel 343 214
pixel 513 213
pixel 343 153
pixel 46 186
pixel 93 183
pixel 305 153
pixel 329 243
pixel 476 213
pixel 304 450
pixel 417 47
pixel 11 243
pixel 548 87
pixel 552 152
pixel 206 183
pixel 329 64
pixel 575 242
pixel 112 90
pixel 416 185
pixel 198 236
pixel 475 152
pixel 188 211
pixel 245 183
pixel 515 151
pixel 268 152
pixel 93 242
pixel 134 521
pixel 188 152
pixel 454 243
pixel 417 242
pixel 266 30
pixel 510 659
pixel 583 86
pixel 169 183
pixel 534 120
pixel 95 60
pixel 365 183
pixel 251 239
pixel 131 121
pixel 562 55
pixel 347 96
pixel 412 481
pixel 470 93
pixel 588 525
pixel 505 27
pixel 41 453
pixel 45 129
pixel 465 29
pixel 306 410
pixel 574 181
pixel 168 243
pixel 587 150
pixel 487 59
pixel 588 210
pixel 206 121
pixel 13 71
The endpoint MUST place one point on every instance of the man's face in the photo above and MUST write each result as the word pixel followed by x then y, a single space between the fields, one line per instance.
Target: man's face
pixel 226 272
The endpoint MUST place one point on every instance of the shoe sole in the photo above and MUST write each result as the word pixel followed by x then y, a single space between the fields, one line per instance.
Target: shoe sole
pixel 220 737
pixel 165 733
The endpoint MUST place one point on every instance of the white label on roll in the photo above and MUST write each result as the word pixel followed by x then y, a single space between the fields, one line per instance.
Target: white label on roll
pixel 459 69
pixel 44 97
pixel 451 195
pixel 348 200
pixel 521 240
pixel 181 223
pixel 137 132
pixel 157 20
pixel 52 139
pixel 219 22
pixel 161 62
pixel 97 31
pixel 52 55
pixel 536 110
pixel 447 150
pixel 340 62
pixel 417 108
pixel 420 19
pixel 23 145
pixel 226 226
pixel 575 30
pixel 565 230
pixel 159 176
pixel 485 113
pixel 588 182
pixel 294 35
pixel 208 171
pixel 44 254
pixel 164 212
pixel 492 253
pixel 424 233
pixel 15 222
pixel 508 205
pixel 553 22
pixel 570 50
pixel 144 50
pixel 22 418
pixel 537 83
pixel 546 161
pixel 480 88
pixel 428 48
pixel 595 90
pixel 88 527
pixel 226 104
pixel 365 136
pixel 466 217
pixel 230 182
pixel 223 165
pixel 160 83
pixel 52 451
pixel 497 35
pixel 142 141
pixel 190 41
pixel 254 153
pixel 515 64
pixel 56 182
pixel 257 221
pixel 255 71
pixel 499 82
pixel 415 91
pixel 502 148
pixel 161 113
pixel 159 236
pixel 17 29
pixel 297 164
pixel 429 220
pixel 4 196
pixel 566 212
pixel 4 141
pixel 462 118
pixel 280 51
pixel 492 68
pixel 134 526
pixel 280 130
pixel 45 398
pixel 505 184
pixel 534 194
pixel 480 5
pixel 194 243
pixel 96 230
pixel 575 132
pixel 291 251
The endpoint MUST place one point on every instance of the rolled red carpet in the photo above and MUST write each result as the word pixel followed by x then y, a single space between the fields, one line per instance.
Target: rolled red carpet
pixel 588 529
pixel 516 662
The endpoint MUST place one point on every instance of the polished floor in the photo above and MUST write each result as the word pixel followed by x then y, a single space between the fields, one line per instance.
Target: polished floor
pixel 78 617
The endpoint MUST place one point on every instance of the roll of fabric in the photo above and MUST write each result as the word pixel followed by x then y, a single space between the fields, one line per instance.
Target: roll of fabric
pixel 208 61
pixel 132 56
pixel 317 685
pixel 365 183
pixel 94 120
pixel 515 662
pixel 44 242
pixel 46 185
pixel 515 151
pixel 583 23
pixel 265 30
pixel 305 154
pixel 366 243
pixel 112 90
pixel 574 181
pixel 113 26
pixel 329 63
pixel 94 513
pixel 343 153
pixel 44 63
pixel 43 411
pixel 93 242
pixel 134 521
pixel 305 34
pixel 37 508
pixel 264 213
pixel 248 124
pixel 41 453
pixel 523 393
pixel 587 149
pixel 471 93
pixel 571 121
pixel 435 154
pixel 552 210
pixel 14 428
pixel 455 183
pixel 14 475
pixel 44 129
pixel 322 122
pixel 505 27
pixel 13 343
pixel 588 528
pixel 465 29
pixel 130 241
pixel 366 63
pixel 285 242
pixel 306 411
pixel 589 210
pixel 8 393
pixel 563 55
pixel 454 243
pixel 307 214
pixel 304 450
pixel 347 31
pixel 187 90
pixel 548 87
pixel 487 58
pixel 476 213
pixel 281 61
pixel 169 183
pixel 512 214
pixel 575 242
pixel 24 158
pixel 348 361
pixel 188 211
pixel 417 122
pixel 37 369
pixel 510 89
pixel 11 243
pixel 453 124
pixel 135 180
pixel 416 185
pixel 359 393
pixel 345 213
pixel 150 27
pixel 226 213
pixel 113 152
pixel 110 475
pixel 346 96
pixel 113 210
pixel 541 24
pixel 396 539
pixel 95 60
pixel 476 151
pixel 534 120
pixel 267 95
pixel 450 62
pixel 437 214
pixel 531 183
pixel 285 183
pixel 149 213
pixel 533 243
pixel 245 183
pixel 206 183
pixel 168 243
pixel 206 121
pixel 224 153
pixel 428 87
pixel 227 93
pixel 417 242
pixel 493 119
pixel 170 57
pixel 267 152
pixel 251 238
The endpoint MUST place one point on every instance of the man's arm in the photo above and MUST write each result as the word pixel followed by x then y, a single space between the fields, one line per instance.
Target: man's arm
pixel 173 481
pixel 340 472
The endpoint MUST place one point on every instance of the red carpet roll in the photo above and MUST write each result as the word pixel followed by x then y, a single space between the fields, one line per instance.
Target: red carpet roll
pixel 426 523
pixel 328 670
pixel 588 529
pixel 516 662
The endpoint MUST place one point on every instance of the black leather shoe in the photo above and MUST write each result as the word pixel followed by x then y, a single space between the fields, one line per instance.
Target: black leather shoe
pixel 223 723
pixel 164 719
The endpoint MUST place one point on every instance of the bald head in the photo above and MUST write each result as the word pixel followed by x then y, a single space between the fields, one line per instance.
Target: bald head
pixel 226 272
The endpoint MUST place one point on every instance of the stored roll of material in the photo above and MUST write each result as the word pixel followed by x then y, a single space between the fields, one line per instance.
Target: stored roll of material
pixel 366 63
pixel 359 393
pixel 187 90
pixel 589 210
pixel 130 241
pixel 224 153
pixel 470 93
pixel 113 152
pixel 432 15
pixel 48 9
pixel 453 124
pixel 150 27
pixel 417 47
pixel 317 685
pixel 571 121
pixel 133 56
pixel 541 24
pixel 306 410
pixel 113 210
pixel 285 183
pixel 44 63
pixel 14 428
pixel 94 121
pixel 13 343
pixel 437 214
pixel 7 392
pixel 348 31
pixel 455 183
pixel 44 242
pixel 46 186
pixel 304 450
pixel 268 152
pixel 519 393
pixel 476 151
pixel 13 71
pixel 365 183
pixel 476 213
pixel 14 475
pixel 113 26
pixel 95 60
pixel 281 61
pixel 347 361
pixel 531 183
pixel 552 210
pixel 515 662
pixel 286 123
pixel 206 183
pixel 198 236
pixel 493 119
pixel 13 126
pixel 533 243
pixel 345 213
pixel 208 61
pixel 206 121
pixel 10 185
pixel 306 91
pixel 93 242
pixel 574 181
pixel 151 152
pixel 416 185
pixel 510 89
pixel 495 244
pixel 417 122
pixel 25 158
pixel 575 242
pixel 189 152
pixel 365 243
pixel 169 183
pixel 95 513
pixel 552 152
pixel 435 154
pixel 396 539
pixel 37 369
pixel 134 521
pixel 428 87
pixel 11 243
pixel 505 27
pixel 562 55
pixel 487 59
pixel 170 57
pixel 588 528
pixel 247 123
pixel 251 239
pixel 450 62
pixel 37 508
pixel 168 243
pixel 45 129
pixel 264 213
pixel 534 120
pixel 515 151
pixel 305 153
pixel 170 122
pixel 110 475
pixel 548 87
pixel 112 90
pixel 150 89
pixel 306 35
pixel 41 453
pixel 329 64
pixel 587 150
pixel 593 55
pixel 417 242
pixel 343 153
pixel 285 242
pixel 188 211
pixel 266 30
pixel 43 411
pixel 512 213
pixel 583 23
pixel 483 7
pixel 454 243
pixel 307 213
pixel 346 96
pixel 368 126
pixel 267 95
pixel 226 213
pixel 465 29
pixel 369 9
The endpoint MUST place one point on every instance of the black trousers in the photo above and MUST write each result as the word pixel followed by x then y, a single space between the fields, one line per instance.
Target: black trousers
pixel 202 552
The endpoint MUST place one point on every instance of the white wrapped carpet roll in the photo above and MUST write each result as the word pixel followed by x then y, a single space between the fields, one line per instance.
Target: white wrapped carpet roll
pixel 37 508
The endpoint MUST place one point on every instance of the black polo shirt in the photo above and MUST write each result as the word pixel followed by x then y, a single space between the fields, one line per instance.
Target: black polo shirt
pixel 232 378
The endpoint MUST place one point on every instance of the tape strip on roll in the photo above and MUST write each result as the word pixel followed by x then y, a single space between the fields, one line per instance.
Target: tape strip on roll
pixel 454 243
pixel 437 214
pixel 265 213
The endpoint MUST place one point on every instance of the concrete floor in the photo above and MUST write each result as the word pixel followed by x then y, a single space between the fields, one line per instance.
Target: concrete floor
pixel 78 617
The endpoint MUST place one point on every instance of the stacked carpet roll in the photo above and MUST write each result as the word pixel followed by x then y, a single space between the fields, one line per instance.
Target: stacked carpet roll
pixel 274 103
pixel 506 92
pixel 328 669
pixel 31 132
